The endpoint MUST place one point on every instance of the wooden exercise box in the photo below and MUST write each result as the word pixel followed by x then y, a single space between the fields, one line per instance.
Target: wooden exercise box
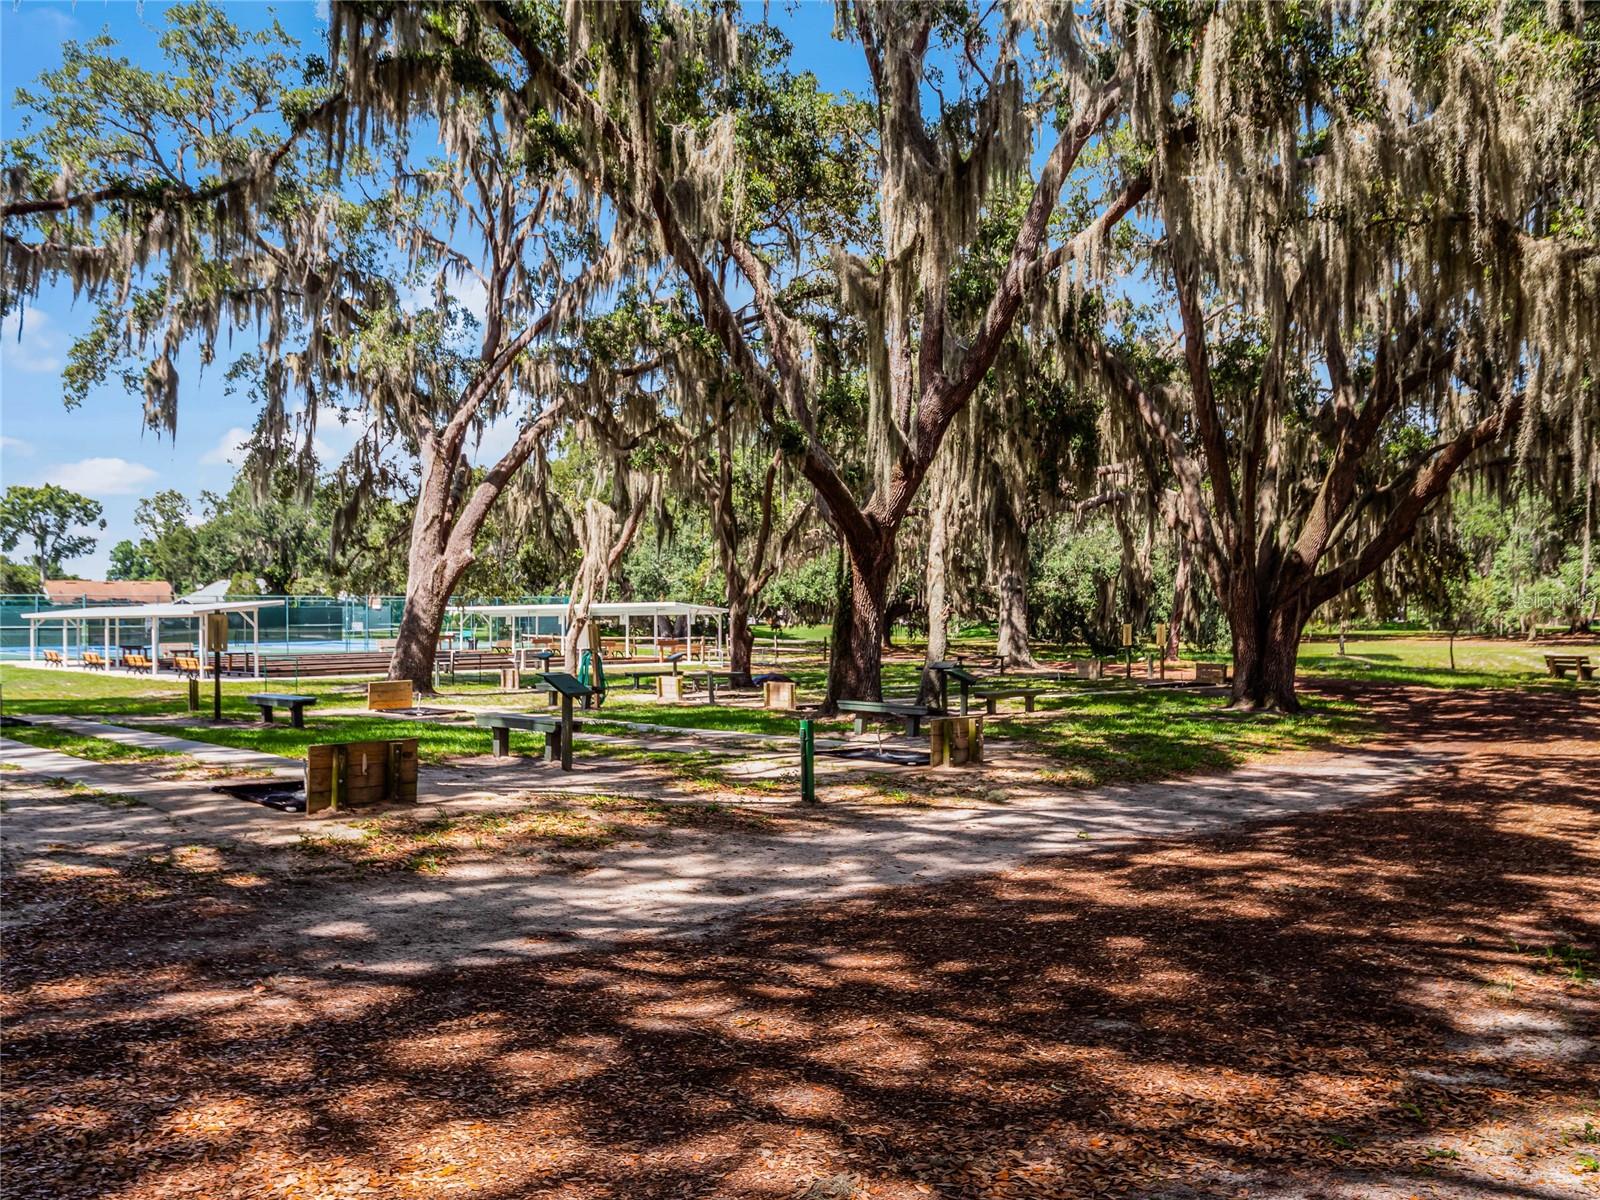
pixel 389 695
pixel 955 741
pixel 346 775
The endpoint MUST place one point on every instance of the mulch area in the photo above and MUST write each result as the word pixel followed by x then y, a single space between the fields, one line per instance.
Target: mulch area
pixel 1395 999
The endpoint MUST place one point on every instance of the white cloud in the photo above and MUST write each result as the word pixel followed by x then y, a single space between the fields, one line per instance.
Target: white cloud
pixel 16 447
pixel 101 476
pixel 496 440
pixel 468 292
pixel 229 449
pixel 29 341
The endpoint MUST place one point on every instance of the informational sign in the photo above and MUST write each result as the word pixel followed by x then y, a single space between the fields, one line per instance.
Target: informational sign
pixel 217 631
pixel 1161 637
pixel 1127 634
pixel 562 684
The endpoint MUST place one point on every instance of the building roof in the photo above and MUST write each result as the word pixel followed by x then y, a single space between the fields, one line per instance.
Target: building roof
pixel 631 608
pixel 101 591
pixel 143 612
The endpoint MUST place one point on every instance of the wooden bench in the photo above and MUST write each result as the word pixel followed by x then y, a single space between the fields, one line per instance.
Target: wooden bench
pixel 1026 695
pixel 53 658
pixel 909 713
pixel 1210 672
pixel 296 704
pixel 95 660
pixel 136 661
pixel 557 742
pixel 1559 664
pixel 188 665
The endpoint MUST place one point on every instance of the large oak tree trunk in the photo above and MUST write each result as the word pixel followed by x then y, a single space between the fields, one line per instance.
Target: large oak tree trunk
pixel 1182 582
pixel 741 642
pixel 857 669
pixel 1011 568
pixel 1266 646
pixel 417 641
pixel 938 601
pixel 431 577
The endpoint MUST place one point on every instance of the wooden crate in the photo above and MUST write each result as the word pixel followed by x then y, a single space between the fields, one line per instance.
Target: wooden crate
pixel 779 695
pixel 389 695
pixel 669 687
pixel 955 741
pixel 1209 672
pixel 346 775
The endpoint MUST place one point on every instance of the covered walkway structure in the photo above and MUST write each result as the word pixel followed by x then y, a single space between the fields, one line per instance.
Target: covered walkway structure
pixel 537 623
pixel 112 621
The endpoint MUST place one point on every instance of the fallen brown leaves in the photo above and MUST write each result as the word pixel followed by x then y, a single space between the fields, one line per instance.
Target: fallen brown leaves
pixel 1387 999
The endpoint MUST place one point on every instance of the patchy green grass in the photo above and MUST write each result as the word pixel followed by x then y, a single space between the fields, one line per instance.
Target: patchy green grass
pixel 1425 660
pixel 81 745
pixel 79 790
pixel 435 742
pixel 26 690
pixel 1132 735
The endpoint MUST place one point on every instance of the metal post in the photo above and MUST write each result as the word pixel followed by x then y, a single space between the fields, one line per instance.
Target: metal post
pixel 808 763
pixel 566 732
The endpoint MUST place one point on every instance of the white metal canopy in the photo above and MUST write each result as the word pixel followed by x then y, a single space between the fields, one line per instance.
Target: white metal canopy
pixel 620 610
pixel 151 616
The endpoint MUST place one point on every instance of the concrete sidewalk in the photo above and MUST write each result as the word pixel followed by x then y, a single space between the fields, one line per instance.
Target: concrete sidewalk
pixel 206 752
pixel 682 880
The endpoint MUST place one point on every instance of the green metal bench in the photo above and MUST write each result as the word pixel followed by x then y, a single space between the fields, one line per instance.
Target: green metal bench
pixel 293 701
pixel 907 712
pixel 557 745
pixel 990 695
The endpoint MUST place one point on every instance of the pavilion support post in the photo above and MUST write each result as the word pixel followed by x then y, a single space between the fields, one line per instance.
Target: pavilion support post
pixel 33 640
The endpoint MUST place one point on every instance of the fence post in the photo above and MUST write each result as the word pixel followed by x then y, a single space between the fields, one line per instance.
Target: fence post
pixel 808 763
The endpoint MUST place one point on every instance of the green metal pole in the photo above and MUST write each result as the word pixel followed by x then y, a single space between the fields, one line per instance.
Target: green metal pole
pixel 808 763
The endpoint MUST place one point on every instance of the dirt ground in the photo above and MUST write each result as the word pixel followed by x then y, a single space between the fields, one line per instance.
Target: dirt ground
pixel 1397 998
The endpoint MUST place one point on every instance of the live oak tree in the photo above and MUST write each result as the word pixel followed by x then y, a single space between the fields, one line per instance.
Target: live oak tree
pixel 656 91
pixel 1377 234
pixel 50 520
pixel 229 191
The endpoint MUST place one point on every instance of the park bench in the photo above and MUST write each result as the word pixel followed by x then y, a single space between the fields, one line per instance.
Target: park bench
pixel 557 742
pixel 95 660
pixel 1559 664
pixel 53 658
pixel 909 713
pixel 136 661
pixel 1025 694
pixel 295 703
pixel 187 664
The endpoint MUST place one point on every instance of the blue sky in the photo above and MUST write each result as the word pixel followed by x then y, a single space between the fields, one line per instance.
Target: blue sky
pixel 102 449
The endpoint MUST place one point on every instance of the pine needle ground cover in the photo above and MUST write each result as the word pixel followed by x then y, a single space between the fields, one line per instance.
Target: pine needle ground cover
pixel 1391 1000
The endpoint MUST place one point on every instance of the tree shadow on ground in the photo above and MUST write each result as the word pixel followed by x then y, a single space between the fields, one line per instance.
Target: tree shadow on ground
pixel 1319 999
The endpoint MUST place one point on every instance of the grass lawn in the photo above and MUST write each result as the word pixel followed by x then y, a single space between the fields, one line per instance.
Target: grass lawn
pixel 82 746
pixel 1129 735
pixel 1105 732
pixel 1425 660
